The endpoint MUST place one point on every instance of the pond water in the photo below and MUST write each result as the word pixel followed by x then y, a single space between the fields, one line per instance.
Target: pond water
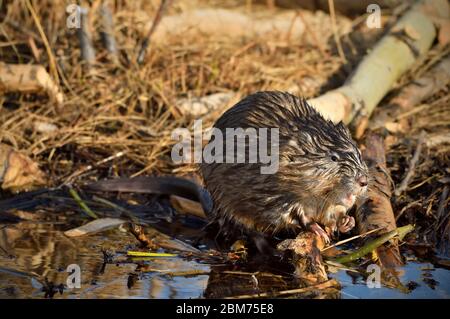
pixel 43 249
pixel 432 283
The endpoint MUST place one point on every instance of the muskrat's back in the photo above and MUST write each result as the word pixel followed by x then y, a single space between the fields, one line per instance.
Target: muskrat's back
pixel 319 176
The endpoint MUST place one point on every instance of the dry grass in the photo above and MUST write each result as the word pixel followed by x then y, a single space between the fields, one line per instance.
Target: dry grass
pixel 130 107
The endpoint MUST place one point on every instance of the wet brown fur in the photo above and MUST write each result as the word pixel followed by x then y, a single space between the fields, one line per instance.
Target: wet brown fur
pixel 319 163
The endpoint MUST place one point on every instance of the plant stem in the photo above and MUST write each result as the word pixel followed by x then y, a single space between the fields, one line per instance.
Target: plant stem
pixel 82 204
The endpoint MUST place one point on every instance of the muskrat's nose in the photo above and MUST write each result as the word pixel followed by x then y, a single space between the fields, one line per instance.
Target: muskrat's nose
pixel 362 180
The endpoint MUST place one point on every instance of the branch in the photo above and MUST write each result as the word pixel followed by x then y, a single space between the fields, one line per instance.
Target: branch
pixel 162 7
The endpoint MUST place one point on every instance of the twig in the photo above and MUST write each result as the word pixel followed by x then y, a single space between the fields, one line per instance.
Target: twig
pixel 181 273
pixel 82 204
pixel 352 238
pixel 19 27
pixel 81 171
pixel 441 208
pixel 85 38
pixel 335 31
pixel 164 4
pixel 107 32
pixel 374 244
pixel 408 206
pixel 412 165
pixel 186 273
pixel 442 202
pixel 327 284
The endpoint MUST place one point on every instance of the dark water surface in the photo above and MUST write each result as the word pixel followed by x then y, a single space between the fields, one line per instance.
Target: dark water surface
pixel 43 249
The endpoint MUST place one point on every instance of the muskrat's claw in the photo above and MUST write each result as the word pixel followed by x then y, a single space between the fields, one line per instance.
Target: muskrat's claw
pixel 346 223
pixel 315 228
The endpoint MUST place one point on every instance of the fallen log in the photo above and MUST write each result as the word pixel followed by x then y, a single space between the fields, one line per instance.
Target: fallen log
pixel 28 79
pixel 409 96
pixel 225 23
pixel 375 210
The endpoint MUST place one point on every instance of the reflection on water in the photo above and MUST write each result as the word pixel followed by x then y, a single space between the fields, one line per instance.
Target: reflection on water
pixel 425 280
pixel 44 250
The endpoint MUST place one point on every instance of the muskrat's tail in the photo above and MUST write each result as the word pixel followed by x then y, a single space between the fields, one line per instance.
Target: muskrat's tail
pixel 164 185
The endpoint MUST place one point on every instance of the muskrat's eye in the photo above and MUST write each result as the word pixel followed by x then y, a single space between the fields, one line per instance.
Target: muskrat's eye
pixel 334 157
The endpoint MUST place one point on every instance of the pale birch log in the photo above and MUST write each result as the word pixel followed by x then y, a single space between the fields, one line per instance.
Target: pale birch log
pixel 393 55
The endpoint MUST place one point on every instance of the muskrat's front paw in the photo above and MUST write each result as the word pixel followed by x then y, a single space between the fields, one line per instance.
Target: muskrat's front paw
pixel 315 228
pixel 346 223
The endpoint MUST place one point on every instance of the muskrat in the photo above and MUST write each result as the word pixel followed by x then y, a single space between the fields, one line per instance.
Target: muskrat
pixel 320 175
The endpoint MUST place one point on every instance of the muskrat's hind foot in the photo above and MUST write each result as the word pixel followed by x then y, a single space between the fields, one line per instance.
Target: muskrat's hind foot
pixel 315 228
pixel 346 223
